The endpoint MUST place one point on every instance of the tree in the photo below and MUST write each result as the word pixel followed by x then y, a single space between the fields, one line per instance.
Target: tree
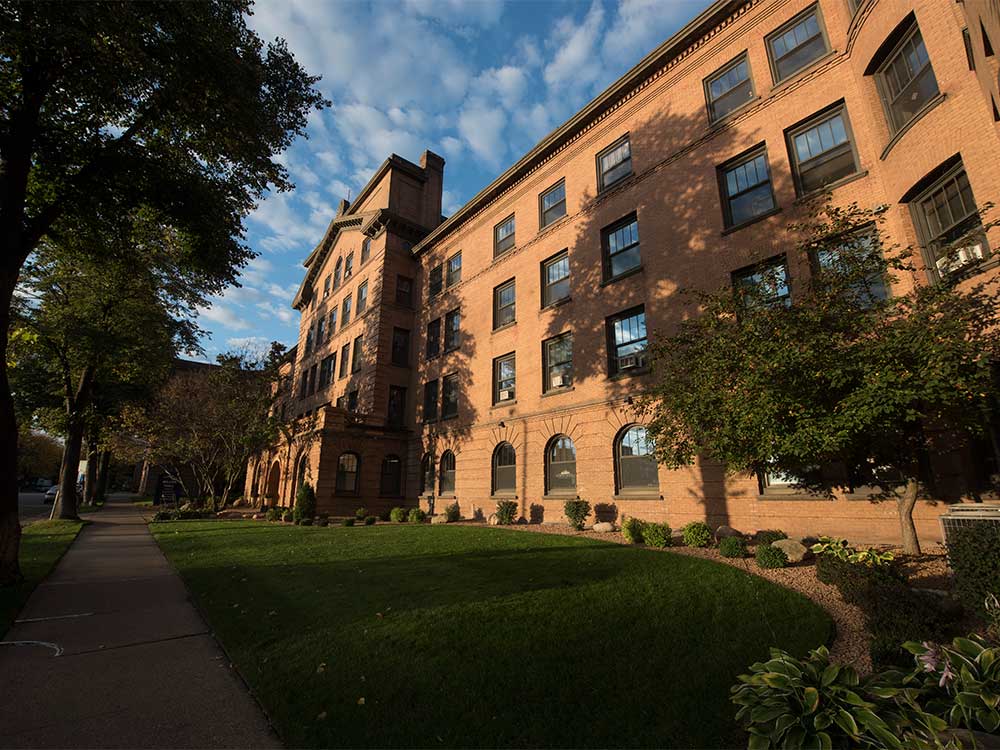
pixel 39 457
pixel 845 375
pixel 210 421
pixel 104 327
pixel 107 106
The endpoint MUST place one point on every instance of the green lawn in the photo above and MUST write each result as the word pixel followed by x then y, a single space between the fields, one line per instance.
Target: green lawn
pixel 42 544
pixel 427 636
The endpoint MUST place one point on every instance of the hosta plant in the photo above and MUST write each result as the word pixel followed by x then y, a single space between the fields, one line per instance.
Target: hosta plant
pixel 828 545
pixel 871 557
pixel 506 512
pixel 801 703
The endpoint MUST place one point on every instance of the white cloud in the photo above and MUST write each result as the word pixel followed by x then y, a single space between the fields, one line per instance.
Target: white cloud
pixel 507 84
pixel 640 26
pixel 457 12
pixel 575 64
pixel 450 202
pixel 373 134
pixel 254 345
pixel 482 127
pixel 452 147
pixel 222 315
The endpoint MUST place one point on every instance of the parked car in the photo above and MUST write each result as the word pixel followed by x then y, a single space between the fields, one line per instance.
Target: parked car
pixel 43 484
pixel 50 493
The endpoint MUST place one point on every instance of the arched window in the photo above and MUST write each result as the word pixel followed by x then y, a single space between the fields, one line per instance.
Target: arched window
pixel 635 466
pixel 427 474
pixel 391 477
pixel 348 467
pixel 301 471
pixel 504 469
pixel 447 474
pixel 336 273
pixel 560 466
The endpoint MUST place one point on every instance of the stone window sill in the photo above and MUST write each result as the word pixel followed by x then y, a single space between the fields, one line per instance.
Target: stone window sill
pixel 751 222
pixel 898 135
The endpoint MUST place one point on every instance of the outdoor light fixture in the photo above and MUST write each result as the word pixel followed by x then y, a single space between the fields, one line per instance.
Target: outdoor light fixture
pixel 501 425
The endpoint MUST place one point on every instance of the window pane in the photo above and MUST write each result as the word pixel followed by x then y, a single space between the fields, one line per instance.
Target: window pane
pixel 504 468
pixel 430 400
pixel 391 479
pixel 559 362
pixel 449 397
pixel 636 464
pixel 797 47
pixel 447 473
pixel 616 164
pixel 730 89
pixel 554 204
pixel 454 269
pixel 556 276
pixel 764 284
pixel 561 465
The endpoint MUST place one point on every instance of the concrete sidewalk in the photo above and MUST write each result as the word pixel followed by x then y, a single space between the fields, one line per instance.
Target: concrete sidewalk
pixel 138 666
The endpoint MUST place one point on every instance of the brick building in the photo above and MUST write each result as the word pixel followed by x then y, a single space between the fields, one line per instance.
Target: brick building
pixel 495 354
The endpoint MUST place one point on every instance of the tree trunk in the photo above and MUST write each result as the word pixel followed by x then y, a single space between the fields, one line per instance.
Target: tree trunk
pixel 102 476
pixel 71 462
pixel 905 505
pixel 10 523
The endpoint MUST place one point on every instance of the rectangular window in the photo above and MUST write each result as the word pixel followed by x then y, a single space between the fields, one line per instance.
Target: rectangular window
pixel 452 322
pixel 312 379
pixel 401 347
pixel 503 236
pixel 555 278
pixel 345 312
pixel 404 291
pixel 309 339
pixel 504 299
pixel 362 297
pixel 320 330
pixel 434 338
pixel 614 164
pixel 796 44
pixel 557 357
pixel 304 385
pixel 967 41
pixel 552 204
pixel 366 249
pixel 397 405
pixel 341 402
pixel 746 188
pixel 621 247
pixel 454 269
pixel 949 223
pixel 627 342
pixel 729 88
pixel 431 400
pixel 345 359
pixel 449 396
pixel 436 281
pixel 326 287
pixel 326 371
pixel 858 252
pixel 763 283
pixel 356 354
pixel 333 320
pixel 906 79
pixel 504 375
pixel 821 151
pixel 348 266
pixel 352 400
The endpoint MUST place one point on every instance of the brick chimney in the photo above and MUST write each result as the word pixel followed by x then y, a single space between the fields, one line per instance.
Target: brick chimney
pixel 433 166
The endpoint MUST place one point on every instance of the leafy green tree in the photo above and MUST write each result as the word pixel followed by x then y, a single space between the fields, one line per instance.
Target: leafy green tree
pixel 844 375
pixel 107 106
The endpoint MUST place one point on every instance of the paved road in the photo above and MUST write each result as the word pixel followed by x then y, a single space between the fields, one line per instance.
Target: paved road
pixel 138 666
pixel 32 506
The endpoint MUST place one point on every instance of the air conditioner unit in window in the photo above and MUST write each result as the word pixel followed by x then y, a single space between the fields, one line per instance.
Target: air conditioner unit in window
pixel 506 394
pixel 558 381
pixel 958 258
pixel 631 361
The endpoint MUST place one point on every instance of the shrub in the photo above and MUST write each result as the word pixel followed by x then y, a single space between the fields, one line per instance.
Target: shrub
pixel 370 520
pixel 770 557
pixel 506 512
pixel 360 513
pixel 656 534
pixel 273 514
pixel 733 546
pixel 632 530
pixel 769 536
pixel 287 516
pixel 831 547
pixel 974 556
pixel 346 521
pixel 305 502
pixel 697 534
pixel 416 515
pixel 162 515
pixel 322 521
pixel 306 522
pixel 452 513
pixel 577 511
pixel 398 515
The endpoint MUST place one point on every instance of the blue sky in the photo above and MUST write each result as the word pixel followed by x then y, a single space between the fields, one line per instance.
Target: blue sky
pixel 477 81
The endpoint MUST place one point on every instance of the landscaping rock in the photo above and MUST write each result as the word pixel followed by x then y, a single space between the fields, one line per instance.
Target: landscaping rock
pixel 439 518
pixel 726 531
pixel 493 520
pixel 604 527
pixel 795 551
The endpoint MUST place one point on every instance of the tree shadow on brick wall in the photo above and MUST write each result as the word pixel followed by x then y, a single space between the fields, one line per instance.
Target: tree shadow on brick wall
pixel 674 192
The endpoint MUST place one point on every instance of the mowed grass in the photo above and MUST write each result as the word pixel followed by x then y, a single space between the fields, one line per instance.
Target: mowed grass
pixel 448 636
pixel 42 544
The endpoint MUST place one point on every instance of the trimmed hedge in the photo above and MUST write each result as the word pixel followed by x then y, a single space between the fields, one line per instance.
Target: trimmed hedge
pixel 577 511
pixel 697 534
pixel 974 556
pixel 452 512
pixel 305 502
pixel 632 530
pixel 733 546
pixel 770 557
pixel 398 515
pixel 416 515
pixel 769 536
pixel 656 534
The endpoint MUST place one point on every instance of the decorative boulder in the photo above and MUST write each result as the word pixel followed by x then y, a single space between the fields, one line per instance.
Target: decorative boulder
pixel 726 531
pixel 604 527
pixel 439 518
pixel 493 520
pixel 795 551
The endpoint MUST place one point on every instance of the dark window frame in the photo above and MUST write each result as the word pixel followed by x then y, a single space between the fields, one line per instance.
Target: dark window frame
pixel 497 307
pixel 824 115
pixel 545 284
pixel 431 386
pixel 433 339
pixel 449 382
pixel 453 276
pixel 396 477
pixel 602 185
pixel 613 347
pixel 714 118
pixel 366 251
pixel 407 296
pixel 345 311
pixel 356 353
pixel 502 246
pixel 880 75
pixel 606 254
pixel 446 473
pixel 762 266
pixel 393 417
pixel 497 362
pixel 969 55
pixel 404 360
pixel 548 365
pixel 362 297
pixel 785 27
pixel 550 446
pixel 452 338
pixel 435 281
pixel 737 161
pixel 542 211
pixel 621 488
pixel 339 484
pixel 495 489
pixel 427 474
pixel 345 360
